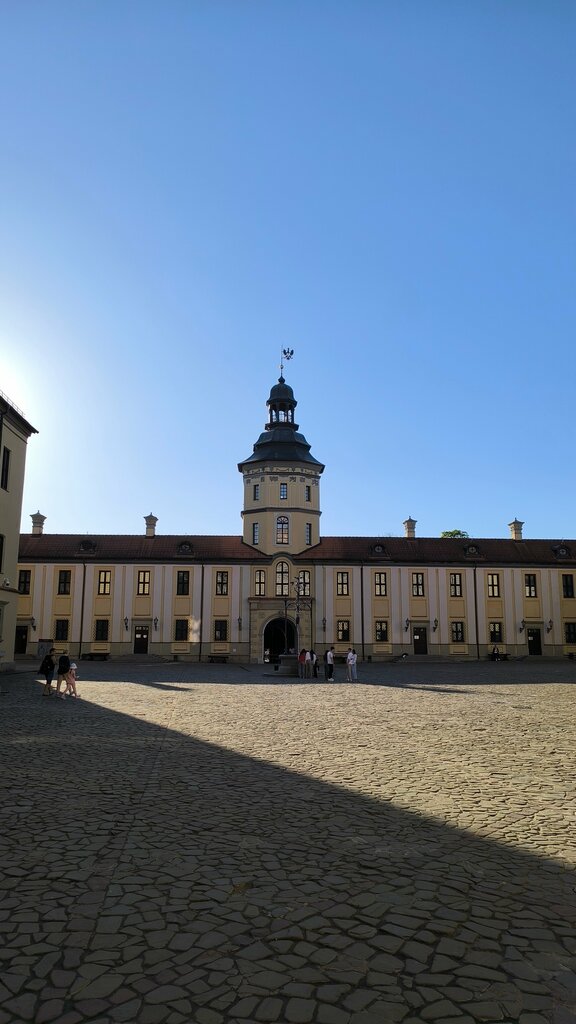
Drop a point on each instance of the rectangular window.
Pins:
(24, 581)
(256, 492)
(343, 630)
(308, 492)
(4, 477)
(222, 583)
(380, 587)
(380, 631)
(183, 582)
(570, 632)
(64, 577)
(181, 630)
(143, 582)
(457, 632)
(283, 491)
(493, 584)
(308, 533)
(260, 583)
(495, 632)
(342, 584)
(104, 581)
(304, 581)
(567, 584)
(255, 533)
(101, 629)
(530, 584)
(455, 584)
(220, 629)
(61, 629)
(417, 584)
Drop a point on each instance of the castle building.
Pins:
(282, 586)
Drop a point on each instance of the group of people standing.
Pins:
(308, 664)
(66, 674)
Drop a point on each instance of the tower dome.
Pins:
(280, 440)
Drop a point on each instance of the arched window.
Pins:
(282, 580)
(282, 530)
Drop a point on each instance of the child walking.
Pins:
(70, 677)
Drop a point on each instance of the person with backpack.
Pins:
(63, 670)
(47, 670)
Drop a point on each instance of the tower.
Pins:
(281, 510)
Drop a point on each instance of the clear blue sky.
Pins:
(386, 187)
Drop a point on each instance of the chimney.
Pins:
(38, 521)
(410, 527)
(150, 525)
(516, 529)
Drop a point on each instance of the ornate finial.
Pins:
(287, 354)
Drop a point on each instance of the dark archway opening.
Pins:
(277, 641)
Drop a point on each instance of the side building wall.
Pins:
(14, 434)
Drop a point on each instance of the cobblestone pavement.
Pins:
(212, 844)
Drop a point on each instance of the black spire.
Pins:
(281, 441)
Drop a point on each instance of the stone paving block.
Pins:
(126, 1012)
(51, 1010)
(329, 1014)
(300, 1011)
(441, 1010)
(269, 1009)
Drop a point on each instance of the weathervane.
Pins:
(287, 354)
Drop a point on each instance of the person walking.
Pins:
(325, 659)
(70, 690)
(302, 663)
(353, 664)
(330, 660)
(63, 669)
(47, 670)
(349, 658)
(308, 665)
(314, 662)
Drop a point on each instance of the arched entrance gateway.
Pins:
(279, 638)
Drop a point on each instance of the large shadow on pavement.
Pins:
(150, 876)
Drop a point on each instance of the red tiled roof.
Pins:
(47, 547)
(71, 547)
(441, 551)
